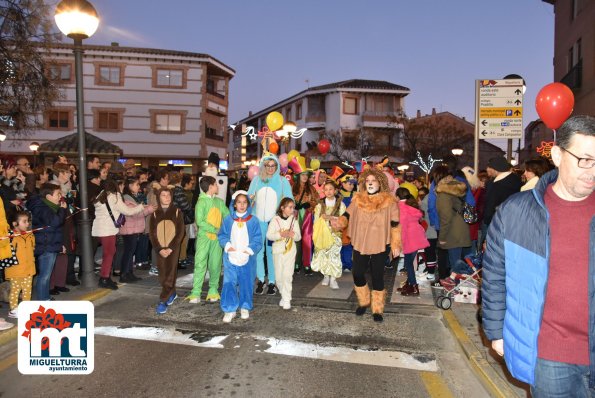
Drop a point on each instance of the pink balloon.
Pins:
(283, 160)
(252, 172)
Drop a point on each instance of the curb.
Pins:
(487, 375)
(11, 334)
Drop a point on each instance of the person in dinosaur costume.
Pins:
(209, 213)
(374, 231)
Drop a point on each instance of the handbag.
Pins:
(121, 218)
(468, 212)
(12, 260)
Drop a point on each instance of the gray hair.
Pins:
(580, 124)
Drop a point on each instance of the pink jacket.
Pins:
(134, 224)
(412, 233)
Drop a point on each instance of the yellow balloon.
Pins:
(292, 155)
(274, 121)
(314, 164)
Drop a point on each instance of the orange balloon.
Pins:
(273, 147)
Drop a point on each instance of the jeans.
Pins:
(409, 258)
(130, 245)
(45, 263)
(561, 380)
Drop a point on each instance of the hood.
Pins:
(232, 211)
(380, 177)
(452, 187)
(267, 158)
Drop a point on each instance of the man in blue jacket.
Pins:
(539, 273)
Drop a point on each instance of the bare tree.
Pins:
(26, 89)
(349, 146)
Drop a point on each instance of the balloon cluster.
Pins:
(275, 125)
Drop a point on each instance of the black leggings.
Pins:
(376, 263)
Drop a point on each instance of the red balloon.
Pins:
(554, 104)
(273, 147)
(324, 146)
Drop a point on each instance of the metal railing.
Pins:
(574, 77)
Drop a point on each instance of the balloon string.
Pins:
(554, 130)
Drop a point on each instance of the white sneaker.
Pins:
(244, 313)
(13, 313)
(287, 305)
(228, 317)
(334, 285)
(281, 303)
(195, 300)
(430, 277)
(325, 280)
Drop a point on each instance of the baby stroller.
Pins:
(468, 274)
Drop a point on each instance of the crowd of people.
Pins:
(286, 220)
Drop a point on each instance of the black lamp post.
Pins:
(78, 20)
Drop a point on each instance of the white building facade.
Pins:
(156, 105)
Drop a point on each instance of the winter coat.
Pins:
(433, 210)
(515, 275)
(134, 224)
(180, 200)
(498, 191)
(431, 231)
(530, 184)
(50, 238)
(450, 197)
(24, 246)
(5, 251)
(103, 225)
(412, 233)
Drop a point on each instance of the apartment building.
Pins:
(158, 106)
(347, 109)
(574, 51)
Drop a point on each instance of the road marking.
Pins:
(271, 345)
(8, 362)
(161, 335)
(393, 359)
(435, 385)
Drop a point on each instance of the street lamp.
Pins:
(514, 162)
(403, 167)
(34, 146)
(457, 151)
(2, 136)
(78, 20)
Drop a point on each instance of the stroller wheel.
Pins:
(437, 301)
(446, 303)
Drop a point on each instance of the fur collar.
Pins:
(372, 203)
(452, 187)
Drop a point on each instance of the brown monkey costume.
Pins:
(373, 226)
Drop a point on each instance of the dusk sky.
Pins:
(436, 48)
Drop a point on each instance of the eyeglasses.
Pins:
(583, 163)
(24, 164)
(271, 166)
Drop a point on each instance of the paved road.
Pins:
(319, 348)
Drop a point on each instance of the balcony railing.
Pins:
(574, 77)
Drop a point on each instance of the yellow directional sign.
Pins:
(490, 113)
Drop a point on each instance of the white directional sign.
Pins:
(500, 109)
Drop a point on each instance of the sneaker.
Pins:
(389, 266)
(193, 299)
(161, 308)
(107, 283)
(325, 280)
(308, 271)
(333, 284)
(213, 298)
(271, 291)
(171, 299)
(260, 288)
(154, 271)
(346, 269)
(287, 305)
(244, 313)
(281, 303)
(5, 325)
(296, 270)
(228, 317)
(13, 313)
(430, 276)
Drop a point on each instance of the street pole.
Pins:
(86, 258)
(509, 150)
(476, 138)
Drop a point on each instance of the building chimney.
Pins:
(250, 113)
(115, 44)
(418, 113)
(464, 118)
(433, 111)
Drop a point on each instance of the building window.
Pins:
(59, 119)
(168, 121)
(216, 86)
(350, 106)
(298, 111)
(108, 119)
(287, 114)
(61, 72)
(212, 133)
(109, 75)
(171, 78)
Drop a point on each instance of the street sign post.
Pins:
(498, 110)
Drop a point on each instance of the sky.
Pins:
(436, 48)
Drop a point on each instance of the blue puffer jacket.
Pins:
(515, 274)
(49, 239)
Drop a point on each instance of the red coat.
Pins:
(413, 234)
